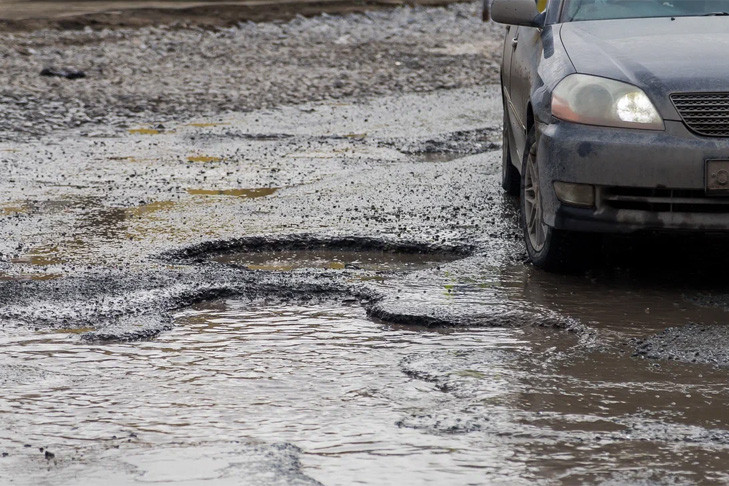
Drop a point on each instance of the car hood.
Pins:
(660, 55)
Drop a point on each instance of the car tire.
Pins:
(548, 248)
(510, 178)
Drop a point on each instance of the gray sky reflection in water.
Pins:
(228, 377)
(298, 393)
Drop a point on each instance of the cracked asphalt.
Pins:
(280, 252)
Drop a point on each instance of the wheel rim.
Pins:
(535, 227)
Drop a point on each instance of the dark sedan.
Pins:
(616, 119)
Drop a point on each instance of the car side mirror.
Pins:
(515, 12)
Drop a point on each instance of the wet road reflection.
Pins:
(324, 378)
(364, 401)
(638, 285)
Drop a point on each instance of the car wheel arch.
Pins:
(529, 118)
(528, 125)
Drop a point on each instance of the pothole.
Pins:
(307, 252)
(369, 260)
(234, 372)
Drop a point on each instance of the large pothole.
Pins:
(305, 252)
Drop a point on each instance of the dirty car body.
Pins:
(616, 118)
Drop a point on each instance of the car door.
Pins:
(506, 57)
(527, 47)
(512, 33)
(527, 51)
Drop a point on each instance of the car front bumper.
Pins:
(644, 180)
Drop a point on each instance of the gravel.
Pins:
(170, 73)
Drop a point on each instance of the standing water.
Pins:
(271, 392)
(191, 405)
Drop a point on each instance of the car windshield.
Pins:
(574, 10)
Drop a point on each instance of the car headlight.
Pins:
(593, 100)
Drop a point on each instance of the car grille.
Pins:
(663, 200)
(704, 113)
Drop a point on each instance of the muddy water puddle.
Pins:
(322, 377)
(293, 393)
(238, 386)
(325, 259)
(90, 230)
(616, 301)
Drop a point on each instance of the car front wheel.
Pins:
(548, 248)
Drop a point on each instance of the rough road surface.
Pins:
(279, 253)
(167, 73)
(29, 15)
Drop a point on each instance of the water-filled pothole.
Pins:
(311, 252)
(325, 259)
(189, 406)
(286, 392)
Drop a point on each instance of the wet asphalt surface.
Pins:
(325, 284)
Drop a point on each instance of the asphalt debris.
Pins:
(693, 343)
(62, 73)
(400, 50)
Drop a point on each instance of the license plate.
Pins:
(717, 177)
